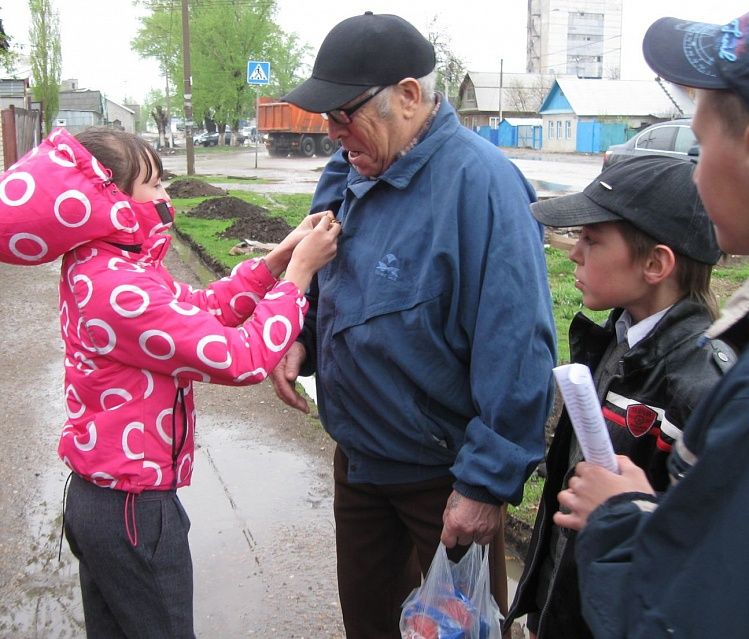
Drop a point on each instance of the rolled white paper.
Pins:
(581, 400)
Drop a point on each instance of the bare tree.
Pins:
(161, 116)
(46, 58)
(526, 96)
(450, 68)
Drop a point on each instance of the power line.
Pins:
(585, 44)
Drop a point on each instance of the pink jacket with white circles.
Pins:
(135, 339)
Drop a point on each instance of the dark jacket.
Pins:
(681, 569)
(432, 334)
(646, 404)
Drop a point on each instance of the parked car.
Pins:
(674, 138)
(211, 139)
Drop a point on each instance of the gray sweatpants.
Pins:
(134, 558)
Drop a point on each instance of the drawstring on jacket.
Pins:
(131, 522)
(132, 533)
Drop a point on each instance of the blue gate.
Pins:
(596, 137)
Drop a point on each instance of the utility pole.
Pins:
(501, 64)
(188, 88)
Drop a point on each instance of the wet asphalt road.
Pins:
(262, 534)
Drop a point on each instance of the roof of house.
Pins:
(81, 100)
(121, 106)
(524, 121)
(486, 88)
(598, 97)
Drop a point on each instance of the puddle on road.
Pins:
(44, 600)
(545, 190)
(262, 540)
(543, 185)
(40, 596)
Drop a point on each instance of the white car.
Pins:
(674, 138)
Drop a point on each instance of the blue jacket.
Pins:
(680, 569)
(432, 335)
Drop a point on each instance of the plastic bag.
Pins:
(454, 601)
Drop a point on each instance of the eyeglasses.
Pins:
(343, 116)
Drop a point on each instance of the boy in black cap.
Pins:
(646, 249)
(678, 566)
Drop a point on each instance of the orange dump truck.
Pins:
(289, 129)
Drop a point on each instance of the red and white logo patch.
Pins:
(640, 419)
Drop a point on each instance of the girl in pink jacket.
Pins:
(135, 341)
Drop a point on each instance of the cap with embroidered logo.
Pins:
(700, 54)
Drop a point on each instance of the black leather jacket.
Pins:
(658, 384)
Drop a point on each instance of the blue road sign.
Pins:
(258, 72)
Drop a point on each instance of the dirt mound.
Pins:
(224, 208)
(268, 229)
(190, 187)
(253, 222)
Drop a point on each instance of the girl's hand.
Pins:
(592, 485)
(278, 259)
(313, 252)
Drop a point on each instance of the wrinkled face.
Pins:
(722, 177)
(372, 141)
(606, 272)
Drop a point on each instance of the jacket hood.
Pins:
(58, 196)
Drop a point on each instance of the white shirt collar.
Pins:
(635, 333)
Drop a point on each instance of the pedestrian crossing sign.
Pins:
(258, 72)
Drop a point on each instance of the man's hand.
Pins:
(466, 521)
(284, 377)
(592, 485)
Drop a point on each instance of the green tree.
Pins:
(286, 69)
(160, 37)
(450, 68)
(7, 55)
(223, 37)
(46, 58)
(222, 41)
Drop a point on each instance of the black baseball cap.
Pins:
(370, 50)
(699, 54)
(654, 193)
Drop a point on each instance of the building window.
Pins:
(567, 129)
(559, 129)
(494, 122)
(551, 130)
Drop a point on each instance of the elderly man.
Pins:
(432, 336)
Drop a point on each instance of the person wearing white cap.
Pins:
(678, 566)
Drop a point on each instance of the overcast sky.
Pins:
(96, 34)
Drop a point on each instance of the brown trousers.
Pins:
(386, 537)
